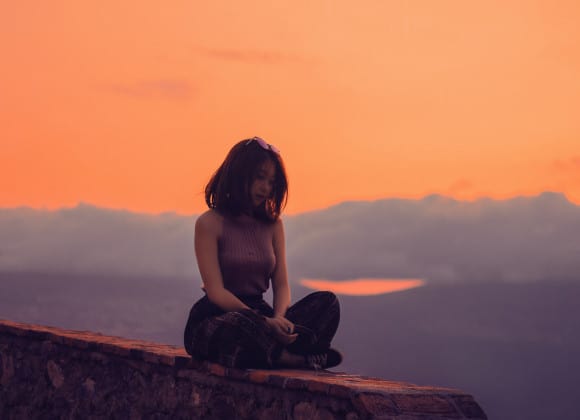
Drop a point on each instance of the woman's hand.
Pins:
(282, 329)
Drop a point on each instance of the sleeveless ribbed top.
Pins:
(246, 255)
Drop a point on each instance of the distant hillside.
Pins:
(437, 238)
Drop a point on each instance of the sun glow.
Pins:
(363, 287)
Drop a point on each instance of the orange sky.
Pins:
(132, 104)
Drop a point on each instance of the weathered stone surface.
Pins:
(54, 374)
(217, 370)
(339, 391)
(315, 386)
(195, 397)
(267, 414)
(48, 347)
(89, 387)
(99, 357)
(222, 407)
(6, 368)
(374, 404)
(258, 376)
(239, 374)
(309, 411)
(323, 414)
(428, 404)
(304, 411)
(469, 407)
(182, 361)
(51, 373)
(296, 383)
(352, 416)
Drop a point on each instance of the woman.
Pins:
(239, 245)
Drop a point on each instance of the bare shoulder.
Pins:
(210, 221)
(279, 228)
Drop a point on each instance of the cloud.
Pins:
(438, 239)
(155, 89)
(248, 56)
(87, 239)
(569, 165)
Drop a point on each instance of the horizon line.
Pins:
(83, 203)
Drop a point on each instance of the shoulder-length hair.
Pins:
(228, 190)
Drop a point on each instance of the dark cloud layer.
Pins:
(436, 238)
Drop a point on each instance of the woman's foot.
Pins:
(290, 360)
(323, 360)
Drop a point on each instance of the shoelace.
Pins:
(313, 361)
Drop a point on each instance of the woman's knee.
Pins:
(241, 318)
(316, 308)
(325, 299)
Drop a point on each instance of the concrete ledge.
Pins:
(53, 372)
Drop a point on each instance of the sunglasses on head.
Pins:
(263, 144)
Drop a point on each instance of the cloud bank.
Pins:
(436, 238)
(440, 239)
(87, 239)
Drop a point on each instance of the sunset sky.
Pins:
(133, 104)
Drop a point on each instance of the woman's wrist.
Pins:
(279, 314)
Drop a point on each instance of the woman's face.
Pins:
(263, 183)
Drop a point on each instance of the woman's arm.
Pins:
(280, 277)
(281, 326)
(207, 229)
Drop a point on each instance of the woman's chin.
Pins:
(258, 203)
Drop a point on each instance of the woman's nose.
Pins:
(265, 186)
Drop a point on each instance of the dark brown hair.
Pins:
(228, 190)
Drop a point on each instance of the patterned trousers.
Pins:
(243, 339)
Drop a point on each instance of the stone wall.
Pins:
(48, 372)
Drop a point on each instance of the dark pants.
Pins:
(243, 339)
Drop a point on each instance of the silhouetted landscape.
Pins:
(512, 346)
(497, 317)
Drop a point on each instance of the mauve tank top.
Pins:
(246, 255)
